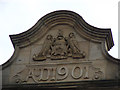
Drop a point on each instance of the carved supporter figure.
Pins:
(73, 47)
(46, 49)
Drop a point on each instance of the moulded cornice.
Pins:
(62, 17)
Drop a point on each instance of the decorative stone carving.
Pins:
(97, 74)
(75, 57)
(56, 73)
(59, 47)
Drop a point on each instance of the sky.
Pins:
(17, 16)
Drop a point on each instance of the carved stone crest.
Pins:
(59, 47)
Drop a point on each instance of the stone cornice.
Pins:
(62, 17)
(114, 84)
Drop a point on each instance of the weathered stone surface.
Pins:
(61, 51)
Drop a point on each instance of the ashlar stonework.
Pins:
(62, 51)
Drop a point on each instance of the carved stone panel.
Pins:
(59, 47)
(58, 73)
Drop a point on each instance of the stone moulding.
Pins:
(85, 85)
(59, 17)
(70, 18)
(93, 70)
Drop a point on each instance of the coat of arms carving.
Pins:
(59, 47)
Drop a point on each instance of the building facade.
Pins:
(62, 51)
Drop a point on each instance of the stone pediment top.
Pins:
(61, 48)
(63, 17)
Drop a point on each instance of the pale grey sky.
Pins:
(17, 16)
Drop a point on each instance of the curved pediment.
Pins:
(62, 18)
(59, 50)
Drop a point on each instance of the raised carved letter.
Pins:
(53, 78)
(30, 75)
(44, 76)
(75, 70)
(62, 71)
(86, 73)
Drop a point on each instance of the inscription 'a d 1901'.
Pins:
(60, 73)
